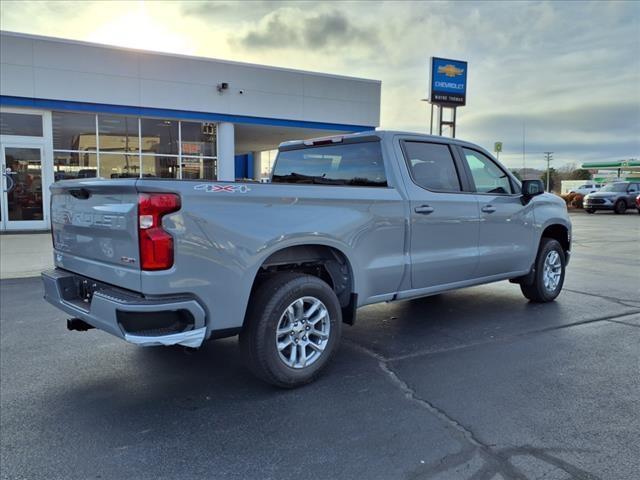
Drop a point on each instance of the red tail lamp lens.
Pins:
(156, 244)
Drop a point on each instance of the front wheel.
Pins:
(292, 329)
(549, 273)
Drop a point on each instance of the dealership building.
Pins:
(72, 109)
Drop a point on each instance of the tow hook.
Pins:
(79, 325)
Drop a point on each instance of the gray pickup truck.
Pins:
(346, 221)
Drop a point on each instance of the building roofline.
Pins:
(68, 41)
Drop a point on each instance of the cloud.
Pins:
(569, 70)
(288, 28)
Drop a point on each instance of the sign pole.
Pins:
(431, 122)
(453, 125)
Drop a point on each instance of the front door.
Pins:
(23, 187)
(507, 235)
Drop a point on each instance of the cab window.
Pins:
(488, 177)
(356, 164)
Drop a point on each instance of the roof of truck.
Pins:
(338, 138)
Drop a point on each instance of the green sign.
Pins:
(497, 147)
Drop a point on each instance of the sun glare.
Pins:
(138, 29)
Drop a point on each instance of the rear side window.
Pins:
(487, 175)
(357, 164)
(432, 166)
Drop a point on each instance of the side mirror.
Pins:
(531, 188)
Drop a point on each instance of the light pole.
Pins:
(548, 156)
(431, 119)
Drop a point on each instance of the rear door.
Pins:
(444, 219)
(94, 225)
(506, 225)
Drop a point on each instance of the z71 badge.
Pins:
(208, 187)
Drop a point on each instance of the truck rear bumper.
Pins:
(174, 320)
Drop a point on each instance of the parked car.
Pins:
(616, 196)
(346, 221)
(638, 203)
(587, 188)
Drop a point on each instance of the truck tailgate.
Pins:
(94, 226)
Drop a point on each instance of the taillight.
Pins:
(156, 245)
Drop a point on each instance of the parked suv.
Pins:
(587, 188)
(616, 196)
(347, 221)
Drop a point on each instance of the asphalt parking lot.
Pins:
(474, 384)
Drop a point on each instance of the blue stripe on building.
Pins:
(46, 104)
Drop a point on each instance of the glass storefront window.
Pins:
(159, 136)
(198, 138)
(20, 124)
(74, 131)
(118, 134)
(119, 165)
(199, 168)
(126, 146)
(160, 167)
(74, 165)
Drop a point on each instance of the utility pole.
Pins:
(524, 164)
(548, 156)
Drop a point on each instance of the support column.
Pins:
(226, 152)
(257, 165)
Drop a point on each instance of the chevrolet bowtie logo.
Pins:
(450, 70)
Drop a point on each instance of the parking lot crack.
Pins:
(622, 322)
(608, 318)
(495, 463)
(620, 301)
(410, 394)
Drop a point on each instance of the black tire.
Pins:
(590, 210)
(537, 292)
(620, 207)
(267, 305)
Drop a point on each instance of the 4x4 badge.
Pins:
(209, 187)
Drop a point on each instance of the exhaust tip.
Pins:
(78, 325)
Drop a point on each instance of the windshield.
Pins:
(615, 187)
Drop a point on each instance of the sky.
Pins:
(568, 72)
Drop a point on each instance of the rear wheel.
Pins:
(620, 207)
(292, 329)
(549, 273)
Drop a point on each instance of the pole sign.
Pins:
(497, 147)
(448, 82)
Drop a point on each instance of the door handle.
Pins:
(488, 209)
(424, 209)
(9, 179)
